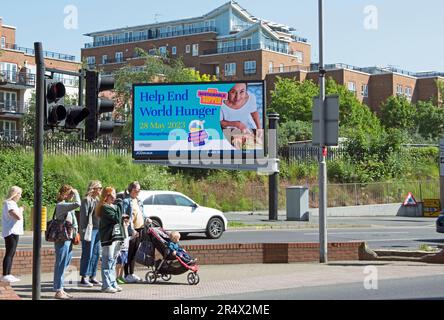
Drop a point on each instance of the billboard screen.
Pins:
(204, 119)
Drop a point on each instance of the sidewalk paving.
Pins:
(223, 280)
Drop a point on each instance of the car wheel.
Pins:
(215, 228)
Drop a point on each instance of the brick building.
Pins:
(371, 85)
(227, 42)
(17, 79)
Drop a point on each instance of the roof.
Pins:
(275, 29)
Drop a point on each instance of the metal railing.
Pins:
(14, 106)
(11, 136)
(284, 69)
(157, 35)
(356, 194)
(46, 54)
(17, 77)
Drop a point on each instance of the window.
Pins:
(408, 92)
(195, 49)
(3, 43)
(7, 128)
(299, 56)
(351, 86)
(270, 67)
(9, 70)
(148, 201)
(163, 51)
(104, 59)
(152, 52)
(91, 61)
(230, 69)
(281, 67)
(399, 90)
(187, 48)
(8, 101)
(249, 67)
(182, 201)
(119, 56)
(164, 200)
(364, 90)
(174, 50)
(217, 71)
(246, 43)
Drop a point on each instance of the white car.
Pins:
(175, 211)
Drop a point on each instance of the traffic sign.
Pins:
(410, 200)
(431, 207)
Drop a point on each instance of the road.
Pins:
(377, 237)
(429, 288)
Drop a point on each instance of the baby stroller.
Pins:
(156, 238)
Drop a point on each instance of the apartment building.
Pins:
(371, 85)
(17, 79)
(228, 42)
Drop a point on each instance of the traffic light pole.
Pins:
(38, 170)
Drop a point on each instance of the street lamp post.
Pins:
(322, 148)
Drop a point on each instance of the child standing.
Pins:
(178, 250)
(122, 258)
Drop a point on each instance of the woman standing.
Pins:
(68, 200)
(111, 234)
(12, 222)
(91, 245)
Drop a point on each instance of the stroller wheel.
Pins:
(193, 278)
(150, 277)
(166, 277)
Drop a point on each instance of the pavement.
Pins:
(243, 280)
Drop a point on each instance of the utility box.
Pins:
(297, 203)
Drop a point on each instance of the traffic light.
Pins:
(56, 113)
(94, 126)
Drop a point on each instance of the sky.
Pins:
(405, 34)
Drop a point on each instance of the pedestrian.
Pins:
(111, 234)
(68, 200)
(12, 228)
(89, 226)
(132, 206)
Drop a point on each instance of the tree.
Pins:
(293, 100)
(291, 131)
(428, 120)
(397, 112)
(155, 69)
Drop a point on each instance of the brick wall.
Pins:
(238, 253)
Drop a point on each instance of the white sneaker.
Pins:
(10, 278)
(110, 290)
(137, 277)
(130, 278)
(118, 288)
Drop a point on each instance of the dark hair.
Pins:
(133, 185)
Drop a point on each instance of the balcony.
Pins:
(246, 47)
(46, 54)
(284, 69)
(157, 35)
(13, 107)
(13, 78)
(11, 136)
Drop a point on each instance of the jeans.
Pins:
(109, 258)
(90, 255)
(63, 253)
(11, 242)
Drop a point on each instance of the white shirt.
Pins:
(243, 114)
(9, 224)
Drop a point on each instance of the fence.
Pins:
(355, 194)
(72, 147)
(308, 154)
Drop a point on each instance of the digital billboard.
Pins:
(198, 120)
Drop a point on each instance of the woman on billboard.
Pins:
(239, 113)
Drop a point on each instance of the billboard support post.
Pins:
(273, 178)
